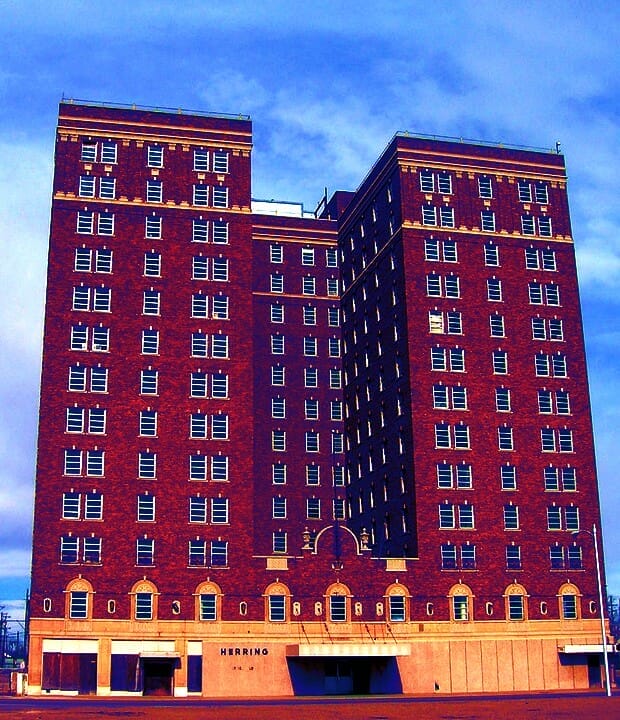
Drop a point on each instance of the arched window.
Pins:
(144, 601)
(79, 594)
(277, 602)
(396, 598)
(461, 603)
(569, 599)
(208, 601)
(338, 597)
(516, 602)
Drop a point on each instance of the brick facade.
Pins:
(244, 402)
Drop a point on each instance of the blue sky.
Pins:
(327, 85)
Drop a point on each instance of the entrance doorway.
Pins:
(594, 671)
(157, 676)
(346, 677)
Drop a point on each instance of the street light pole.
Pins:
(602, 611)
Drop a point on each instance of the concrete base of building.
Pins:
(251, 659)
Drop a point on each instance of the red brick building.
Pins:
(291, 453)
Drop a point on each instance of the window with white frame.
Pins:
(494, 290)
(449, 397)
(276, 283)
(496, 324)
(150, 342)
(505, 439)
(452, 436)
(511, 517)
(487, 221)
(278, 473)
(560, 479)
(219, 553)
(152, 264)
(502, 399)
(491, 255)
(146, 508)
(155, 156)
(528, 226)
(440, 250)
(276, 253)
(332, 287)
(513, 557)
(219, 468)
(147, 464)
(451, 476)
(311, 377)
(485, 187)
(508, 477)
(277, 375)
(153, 227)
(200, 194)
(220, 196)
(219, 511)
(500, 362)
(448, 359)
(144, 606)
(201, 160)
(197, 467)
(149, 382)
(312, 441)
(154, 191)
(148, 423)
(145, 551)
(279, 541)
(197, 553)
(89, 152)
(198, 509)
(220, 161)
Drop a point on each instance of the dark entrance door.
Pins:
(88, 674)
(157, 674)
(347, 677)
(594, 671)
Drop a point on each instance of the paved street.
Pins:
(537, 707)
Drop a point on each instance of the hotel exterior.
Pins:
(286, 453)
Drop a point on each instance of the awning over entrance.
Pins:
(585, 649)
(348, 650)
(162, 654)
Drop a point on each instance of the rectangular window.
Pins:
(153, 227)
(309, 315)
(491, 255)
(92, 550)
(108, 152)
(446, 216)
(277, 608)
(201, 195)
(505, 438)
(154, 191)
(446, 516)
(277, 345)
(444, 183)
(335, 382)
(150, 342)
(146, 508)
(220, 197)
(144, 606)
(197, 509)
(276, 283)
(149, 382)
(219, 310)
(219, 427)
(496, 323)
(219, 346)
(71, 506)
(220, 232)
(307, 256)
(311, 409)
(197, 553)
(278, 440)
(278, 508)
(278, 474)
(145, 551)
(276, 253)
(511, 517)
(485, 188)
(487, 221)
(494, 290)
(277, 375)
(155, 156)
(313, 475)
(332, 287)
(151, 302)
(331, 257)
(86, 186)
(313, 508)
(148, 423)
(220, 161)
(541, 194)
(308, 285)
(208, 607)
(105, 223)
(500, 362)
(310, 347)
(219, 553)
(527, 225)
(513, 557)
(525, 191)
(312, 441)
(311, 377)
(85, 222)
(502, 399)
(448, 557)
(198, 425)
(93, 506)
(69, 549)
(152, 264)
(78, 605)
(508, 476)
(201, 160)
(107, 188)
(147, 465)
(279, 540)
(333, 317)
(89, 152)
(466, 517)
(199, 305)
(197, 467)
(219, 511)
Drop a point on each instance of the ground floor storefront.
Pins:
(258, 660)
